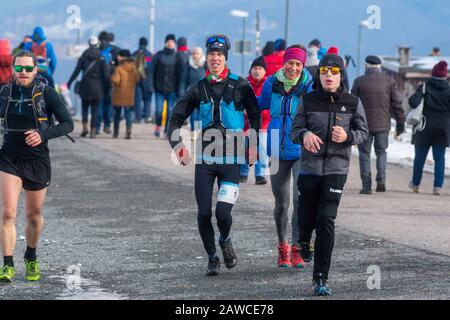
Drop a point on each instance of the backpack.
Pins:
(40, 51)
(141, 64)
(106, 53)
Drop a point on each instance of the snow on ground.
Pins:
(401, 152)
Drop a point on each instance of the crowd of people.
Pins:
(294, 110)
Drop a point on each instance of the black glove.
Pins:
(400, 128)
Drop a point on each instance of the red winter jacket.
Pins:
(5, 68)
(274, 62)
(265, 114)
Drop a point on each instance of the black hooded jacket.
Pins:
(95, 81)
(436, 110)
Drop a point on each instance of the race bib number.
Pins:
(228, 193)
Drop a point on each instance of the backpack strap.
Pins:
(5, 96)
(230, 89)
(205, 97)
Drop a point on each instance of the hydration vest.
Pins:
(230, 118)
(37, 101)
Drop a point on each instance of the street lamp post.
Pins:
(241, 14)
(152, 26)
(286, 22)
(362, 24)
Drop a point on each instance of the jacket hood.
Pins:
(92, 53)
(438, 84)
(38, 35)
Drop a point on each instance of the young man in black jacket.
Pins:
(329, 122)
(164, 80)
(221, 98)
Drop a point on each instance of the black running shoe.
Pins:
(229, 257)
(260, 181)
(381, 187)
(213, 267)
(321, 288)
(305, 251)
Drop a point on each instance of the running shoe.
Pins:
(213, 267)
(7, 273)
(321, 287)
(306, 251)
(413, 187)
(284, 250)
(32, 272)
(296, 259)
(229, 256)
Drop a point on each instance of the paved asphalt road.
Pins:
(120, 215)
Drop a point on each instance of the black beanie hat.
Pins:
(315, 42)
(125, 53)
(182, 42)
(103, 36)
(332, 60)
(143, 42)
(170, 37)
(259, 62)
(216, 45)
(269, 48)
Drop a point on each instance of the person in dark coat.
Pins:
(143, 95)
(436, 134)
(164, 80)
(381, 100)
(93, 82)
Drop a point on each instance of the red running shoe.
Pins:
(296, 258)
(284, 250)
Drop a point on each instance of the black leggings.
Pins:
(319, 198)
(205, 177)
(85, 112)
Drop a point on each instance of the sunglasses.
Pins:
(217, 39)
(28, 69)
(334, 70)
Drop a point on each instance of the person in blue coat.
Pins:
(281, 94)
(42, 49)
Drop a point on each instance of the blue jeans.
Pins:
(421, 153)
(142, 96)
(159, 101)
(128, 116)
(262, 163)
(105, 111)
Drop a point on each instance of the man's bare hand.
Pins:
(311, 142)
(338, 134)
